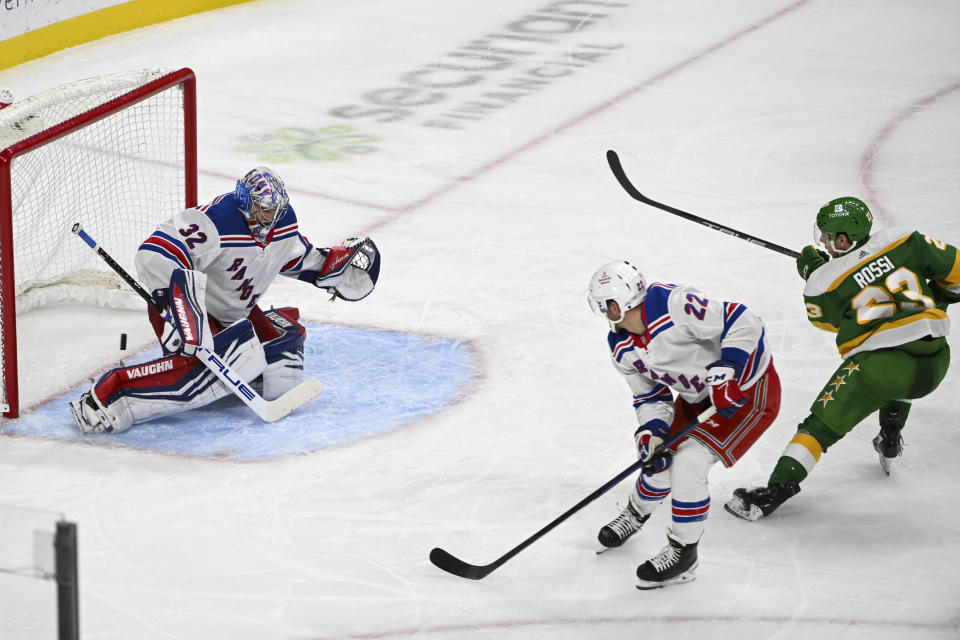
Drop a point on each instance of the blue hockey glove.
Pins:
(648, 437)
(723, 379)
(810, 260)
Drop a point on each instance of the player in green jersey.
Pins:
(885, 296)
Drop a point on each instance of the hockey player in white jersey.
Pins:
(209, 266)
(680, 351)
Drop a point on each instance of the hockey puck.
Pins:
(123, 342)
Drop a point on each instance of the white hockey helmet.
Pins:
(618, 281)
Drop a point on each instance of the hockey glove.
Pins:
(186, 319)
(810, 260)
(942, 296)
(350, 271)
(648, 437)
(723, 379)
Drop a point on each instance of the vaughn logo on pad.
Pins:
(149, 369)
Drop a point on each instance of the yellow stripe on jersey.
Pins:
(953, 278)
(926, 314)
(826, 326)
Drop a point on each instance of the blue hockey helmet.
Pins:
(261, 196)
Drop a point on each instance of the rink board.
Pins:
(374, 382)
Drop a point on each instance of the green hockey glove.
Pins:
(943, 296)
(810, 260)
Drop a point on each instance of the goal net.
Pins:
(115, 153)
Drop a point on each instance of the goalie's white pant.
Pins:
(174, 383)
(685, 481)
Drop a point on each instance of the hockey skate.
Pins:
(889, 443)
(753, 504)
(90, 416)
(618, 530)
(674, 564)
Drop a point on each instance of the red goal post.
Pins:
(116, 153)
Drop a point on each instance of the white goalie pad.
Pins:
(283, 374)
(163, 387)
(284, 353)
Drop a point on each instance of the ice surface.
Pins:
(483, 180)
(364, 394)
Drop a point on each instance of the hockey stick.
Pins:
(614, 161)
(268, 410)
(458, 567)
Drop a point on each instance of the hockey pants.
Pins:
(864, 383)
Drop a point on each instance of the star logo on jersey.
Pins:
(839, 381)
(826, 397)
(852, 367)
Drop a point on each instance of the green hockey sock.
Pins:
(797, 460)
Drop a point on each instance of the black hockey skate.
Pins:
(674, 564)
(753, 504)
(618, 530)
(889, 443)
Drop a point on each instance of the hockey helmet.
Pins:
(620, 282)
(261, 196)
(847, 215)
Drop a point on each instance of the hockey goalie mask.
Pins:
(262, 197)
(849, 216)
(618, 281)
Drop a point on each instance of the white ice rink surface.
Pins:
(484, 183)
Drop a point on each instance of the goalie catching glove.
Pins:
(648, 437)
(350, 271)
(186, 321)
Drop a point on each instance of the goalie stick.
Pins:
(614, 161)
(268, 410)
(451, 564)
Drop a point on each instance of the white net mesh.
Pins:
(118, 176)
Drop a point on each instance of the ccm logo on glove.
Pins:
(723, 379)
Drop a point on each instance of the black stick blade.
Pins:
(458, 567)
(614, 161)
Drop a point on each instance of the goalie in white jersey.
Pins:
(209, 266)
(680, 351)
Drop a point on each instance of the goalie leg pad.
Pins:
(284, 354)
(175, 383)
(92, 417)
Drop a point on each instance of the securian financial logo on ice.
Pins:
(492, 72)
